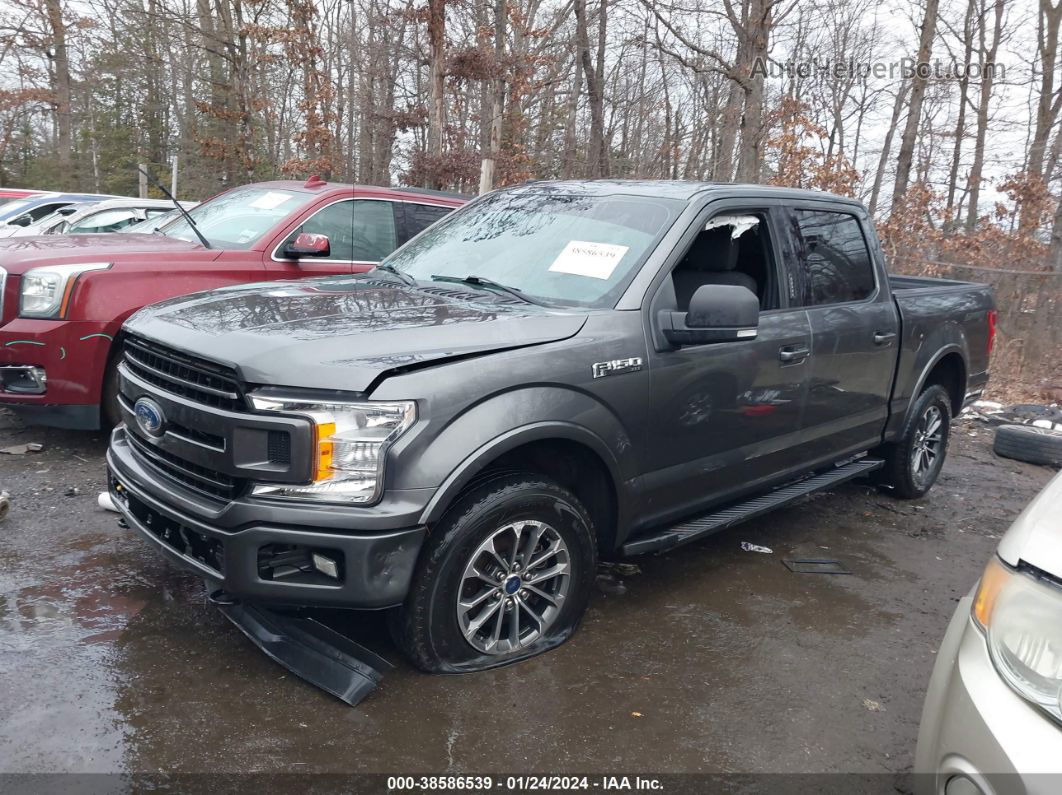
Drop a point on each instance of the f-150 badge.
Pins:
(601, 369)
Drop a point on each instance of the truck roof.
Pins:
(312, 186)
(683, 189)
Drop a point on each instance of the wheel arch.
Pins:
(570, 454)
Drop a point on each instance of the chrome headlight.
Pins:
(1022, 618)
(45, 292)
(349, 449)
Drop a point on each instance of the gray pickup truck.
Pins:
(557, 373)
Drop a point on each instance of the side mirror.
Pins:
(308, 244)
(717, 313)
(22, 220)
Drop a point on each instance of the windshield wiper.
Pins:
(177, 204)
(400, 274)
(482, 281)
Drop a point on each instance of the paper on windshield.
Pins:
(270, 200)
(582, 258)
(740, 223)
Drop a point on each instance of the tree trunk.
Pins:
(61, 86)
(960, 122)
(919, 80)
(987, 52)
(886, 147)
(437, 54)
(596, 153)
(1046, 110)
(497, 109)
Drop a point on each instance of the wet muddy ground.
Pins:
(711, 659)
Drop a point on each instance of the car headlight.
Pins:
(349, 449)
(1022, 619)
(45, 292)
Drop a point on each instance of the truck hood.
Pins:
(1036, 535)
(19, 254)
(344, 333)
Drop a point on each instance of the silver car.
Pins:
(992, 721)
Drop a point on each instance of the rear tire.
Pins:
(506, 574)
(1029, 443)
(913, 463)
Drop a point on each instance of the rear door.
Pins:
(414, 218)
(854, 329)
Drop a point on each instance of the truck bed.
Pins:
(906, 285)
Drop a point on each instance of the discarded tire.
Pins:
(1028, 443)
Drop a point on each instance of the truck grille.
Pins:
(198, 478)
(180, 538)
(187, 376)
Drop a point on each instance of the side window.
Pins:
(373, 230)
(833, 256)
(733, 248)
(420, 216)
(104, 221)
(337, 222)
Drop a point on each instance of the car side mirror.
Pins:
(308, 244)
(717, 313)
(22, 220)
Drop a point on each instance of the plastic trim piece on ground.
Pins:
(309, 649)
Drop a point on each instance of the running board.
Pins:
(727, 517)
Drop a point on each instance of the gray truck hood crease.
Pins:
(344, 333)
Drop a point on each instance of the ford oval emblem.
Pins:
(149, 417)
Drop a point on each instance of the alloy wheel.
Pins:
(513, 587)
(928, 444)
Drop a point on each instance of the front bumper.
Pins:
(226, 545)
(73, 354)
(977, 734)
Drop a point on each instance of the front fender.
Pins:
(473, 439)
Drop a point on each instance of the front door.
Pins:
(360, 232)
(726, 416)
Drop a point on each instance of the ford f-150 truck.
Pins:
(556, 373)
(63, 299)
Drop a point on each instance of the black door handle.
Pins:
(793, 354)
(881, 337)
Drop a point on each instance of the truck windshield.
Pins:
(238, 218)
(559, 248)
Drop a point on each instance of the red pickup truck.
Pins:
(64, 298)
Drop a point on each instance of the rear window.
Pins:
(834, 258)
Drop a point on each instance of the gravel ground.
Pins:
(710, 660)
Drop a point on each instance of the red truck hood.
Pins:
(19, 254)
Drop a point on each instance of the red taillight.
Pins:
(991, 329)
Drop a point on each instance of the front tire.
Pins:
(913, 463)
(506, 574)
(110, 413)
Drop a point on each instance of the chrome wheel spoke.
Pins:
(553, 600)
(548, 574)
(522, 605)
(514, 624)
(495, 636)
(545, 555)
(476, 624)
(466, 605)
(486, 577)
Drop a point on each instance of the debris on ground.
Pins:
(73, 491)
(808, 566)
(610, 585)
(872, 705)
(619, 567)
(105, 502)
(992, 413)
(22, 449)
(5, 504)
(745, 545)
